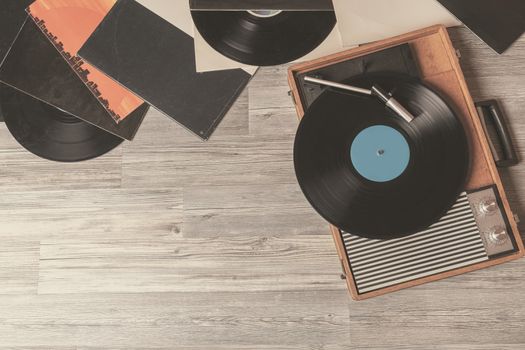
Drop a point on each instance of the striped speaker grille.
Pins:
(452, 242)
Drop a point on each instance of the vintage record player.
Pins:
(477, 229)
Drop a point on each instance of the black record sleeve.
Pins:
(498, 23)
(35, 67)
(397, 60)
(12, 17)
(156, 60)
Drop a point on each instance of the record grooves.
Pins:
(51, 133)
(369, 172)
(267, 39)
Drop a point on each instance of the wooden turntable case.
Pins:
(440, 69)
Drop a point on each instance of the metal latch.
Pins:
(292, 96)
(343, 275)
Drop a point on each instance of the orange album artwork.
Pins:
(68, 24)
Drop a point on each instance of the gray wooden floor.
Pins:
(171, 243)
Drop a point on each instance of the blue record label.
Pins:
(380, 153)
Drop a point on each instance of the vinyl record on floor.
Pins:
(51, 133)
(264, 38)
(369, 172)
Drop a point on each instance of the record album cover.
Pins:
(178, 13)
(498, 23)
(35, 67)
(68, 24)
(362, 22)
(12, 17)
(156, 61)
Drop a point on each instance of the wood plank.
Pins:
(19, 264)
(452, 315)
(249, 264)
(266, 320)
(240, 160)
(110, 214)
(249, 210)
(271, 108)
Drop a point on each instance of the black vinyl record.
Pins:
(369, 172)
(51, 133)
(264, 38)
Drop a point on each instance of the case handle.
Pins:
(491, 116)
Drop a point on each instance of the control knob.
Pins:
(498, 235)
(488, 206)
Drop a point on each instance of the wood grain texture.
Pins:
(172, 243)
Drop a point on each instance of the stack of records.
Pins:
(78, 77)
(105, 62)
(56, 105)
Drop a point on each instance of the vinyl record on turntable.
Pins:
(51, 133)
(264, 37)
(371, 173)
